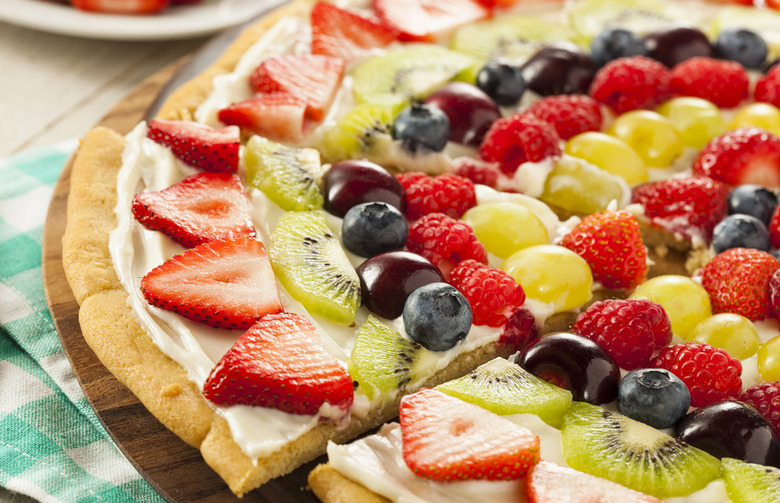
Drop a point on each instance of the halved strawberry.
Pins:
(278, 117)
(121, 6)
(310, 77)
(551, 483)
(199, 145)
(611, 244)
(345, 34)
(739, 156)
(447, 439)
(425, 20)
(202, 207)
(280, 362)
(226, 283)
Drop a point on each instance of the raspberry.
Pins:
(444, 241)
(520, 330)
(448, 194)
(626, 84)
(710, 373)
(765, 397)
(511, 141)
(493, 294)
(737, 281)
(768, 87)
(724, 83)
(774, 228)
(740, 156)
(478, 171)
(570, 115)
(630, 331)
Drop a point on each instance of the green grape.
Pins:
(761, 115)
(696, 120)
(580, 187)
(732, 332)
(651, 135)
(769, 359)
(685, 301)
(553, 275)
(505, 228)
(611, 154)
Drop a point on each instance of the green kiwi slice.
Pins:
(589, 17)
(288, 176)
(308, 260)
(631, 453)
(364, 131)
(506, 388)
(749, 482)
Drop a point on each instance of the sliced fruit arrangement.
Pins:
(198, 145)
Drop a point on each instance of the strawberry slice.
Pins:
(226, 283)
(740, 156)
(202, 207)
(447, 439)
(551, 483)
(310, 77)
(121, 6)
(280, 362)
(345, 34)
(278, 117)
(426, 20)
(199, 145)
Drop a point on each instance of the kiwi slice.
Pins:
(589, 17)
(749, 482)
(395, 78)
(308, 260)
(506, 388)
(632, 453)
(364, 131)
(289, 176)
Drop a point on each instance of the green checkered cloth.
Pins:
(52, 445)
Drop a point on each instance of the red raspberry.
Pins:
(765, 397)
(737, 281)
(724, 83)
(768, 87)
(493, 294)
(511, 141)
(774, 228)
(739, 156)
(630, 331)
(689, 206)
(520, 330)
(626, 84)
(569, 114)
(448, 194)
(710, 373)
(444, 241)
(478, 171)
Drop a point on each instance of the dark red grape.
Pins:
(349, 183)
(676, 44)
(560, 68)
(470, 110)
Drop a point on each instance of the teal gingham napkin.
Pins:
(52, 445)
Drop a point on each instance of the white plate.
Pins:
(179, 21)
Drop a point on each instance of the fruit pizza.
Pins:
(362, 209)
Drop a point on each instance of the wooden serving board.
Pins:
(176, 470)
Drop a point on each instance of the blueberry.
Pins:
(437, 316)
(614, 43)
(654, 396)
(753, 200)
(372, 228)
(422, 127)
(502, 82)
(743, 46)
(740, 231)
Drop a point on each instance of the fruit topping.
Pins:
(746, 47)
(696, 121)
(372, 228)
(520, 330)
(198, 145)
(738, 282)
(768, 87)
(437, 316)
(769, 359)
(633, 454)
(744, 155)
(505, 227)
(288, 176)
(279, 117)
(591, 17)
(672, 45)
(765, 398)
(685, 301)
(724, 83)
(280, 362)
(774, 228)
(750, 482)
(503, 82)
(511, 141)
(710, 373)
(446, 439)
(559, 68)
(651, 135)
(762, 115)
(362, 132)
(425, 20)
(349, 183)
(570, 115)
(112, 7)
(505, 388)
(573, 363)
(387, 280)
(582, 188)
(492, 293)
(630, 330)
(345, 34)
(731, 332)
(611, 244)
(422, 128)
(470, 110)
(202, 207)
(449, 194)
(445, 241)
(627, 84)
(226, 283)
(754, 200)
(478, 171)
(312, 266)
(740, 231)
(614, 43)
(653, 396)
